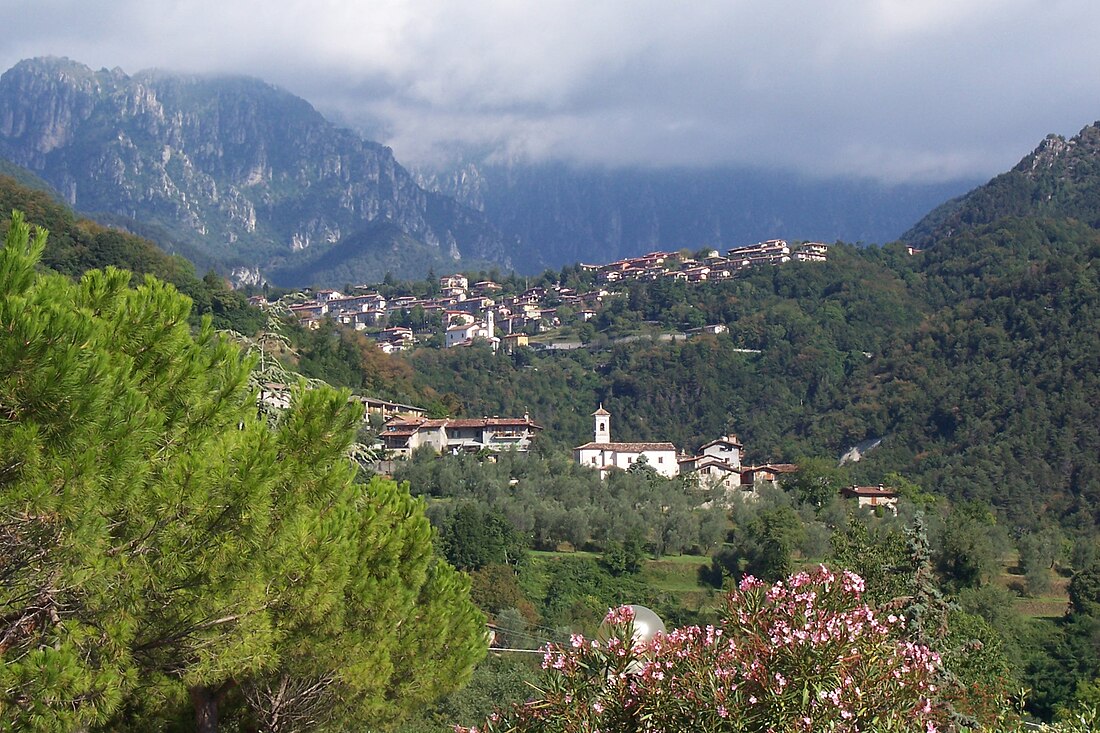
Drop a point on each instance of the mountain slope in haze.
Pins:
(564, 214)
(77, 245)
(1059, 179)
(244, 171)
(368, 255)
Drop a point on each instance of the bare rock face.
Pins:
(245, 171)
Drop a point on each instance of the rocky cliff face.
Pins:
(246, 171)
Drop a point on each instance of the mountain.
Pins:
(1059, 179)
(379, 247)
(246, 173)
(563, 214)
(235, 173)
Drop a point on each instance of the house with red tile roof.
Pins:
(401, 436)
(873, 496)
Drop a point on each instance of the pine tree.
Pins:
(161, 543)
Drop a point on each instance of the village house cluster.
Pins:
(469, 313)
(713, 266)
(402, 435)
(472, 313)
(716, 465)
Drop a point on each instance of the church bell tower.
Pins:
(603, 425)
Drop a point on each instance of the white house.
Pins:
(812, 252)
(454, 282)
(464, 334)
(603, 454)
(718, 463)
(873, 497)
(402, 436)
(712, 472)
(726, 449)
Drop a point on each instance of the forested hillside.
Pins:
(977, 361)
(1060, 179)
(993, 397)
(76, 245)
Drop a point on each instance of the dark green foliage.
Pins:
(877, 552)
(161, 544)
(763, 548)
(550, 502)
(475, 536)
(346, 358)
(971, 548)
(495, 588)
(575, 592)
(1084, 592)
(816, 482)
(1063, 655)
(620, 558)
(498, 681)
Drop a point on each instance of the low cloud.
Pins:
(893, 89)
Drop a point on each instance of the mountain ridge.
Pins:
(1060, 178)
(239, 168)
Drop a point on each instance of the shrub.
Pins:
(804, 654)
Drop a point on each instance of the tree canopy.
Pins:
(163, 549)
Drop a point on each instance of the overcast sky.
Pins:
(895, 89)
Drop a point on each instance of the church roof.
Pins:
(627, 447)
(601, 412)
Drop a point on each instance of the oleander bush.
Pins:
(804, 654)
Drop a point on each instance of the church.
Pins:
(604, 455)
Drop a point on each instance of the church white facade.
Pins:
(603, 454)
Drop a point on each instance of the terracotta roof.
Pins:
(870, 491)
(601, 412)
(487, 422)
(398, 424)
(627, 447)
(773, 467)
(730, 439)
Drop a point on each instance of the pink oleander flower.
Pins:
(812, 632)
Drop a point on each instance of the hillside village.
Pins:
(718, 464)
(462, 313)
(466, 313)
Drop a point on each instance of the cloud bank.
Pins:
(892, 89)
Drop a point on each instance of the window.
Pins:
(593, 460)
(660, 459)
